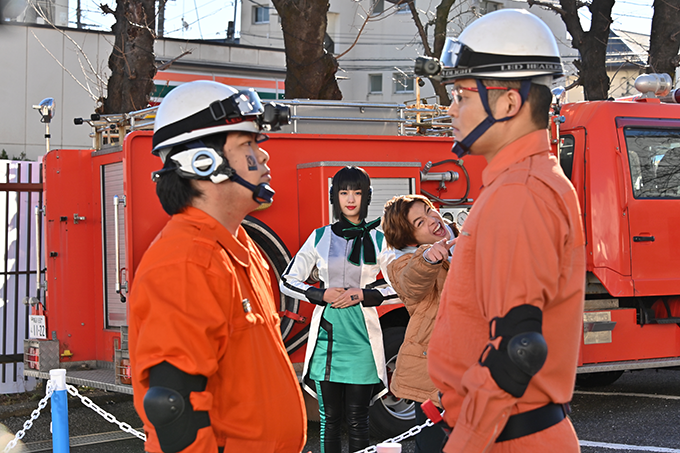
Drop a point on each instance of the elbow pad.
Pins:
(168, 406)
(522, 351)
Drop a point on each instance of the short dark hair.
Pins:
(398, 230)
(351, 178)
(175, 192)
(539, 99)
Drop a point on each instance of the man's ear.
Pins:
(510, 104)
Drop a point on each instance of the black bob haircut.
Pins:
(351, 178)
(175, 192)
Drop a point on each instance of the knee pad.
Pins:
(522, 351)
(168, 407)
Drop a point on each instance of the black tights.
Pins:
(356, 399)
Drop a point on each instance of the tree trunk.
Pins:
(592, 45)
(132, 61)
(665, 38)
(310, 70)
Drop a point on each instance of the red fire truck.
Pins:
(101, 212)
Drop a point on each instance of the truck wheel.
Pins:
(390, 416)
(277, 255)
(600, 379)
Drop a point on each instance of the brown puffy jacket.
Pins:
(419, 284)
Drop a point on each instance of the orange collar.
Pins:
(236, 246)
(528, 145)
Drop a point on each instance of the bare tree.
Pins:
(310, 69)
(664, 41)
(591, 44)
(132, 61)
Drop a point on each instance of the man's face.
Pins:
(247, 158)
(428, 225)
(467, 110)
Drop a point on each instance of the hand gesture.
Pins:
(439, 250)
(332, 294)
(351, 296)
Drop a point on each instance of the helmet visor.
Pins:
(455, 54)
(248, 102)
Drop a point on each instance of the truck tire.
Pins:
(277, 255)
(390, 416)
(600, 379)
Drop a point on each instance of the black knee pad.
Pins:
(522, 351)
(168, 407)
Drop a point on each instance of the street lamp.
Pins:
(46, 110)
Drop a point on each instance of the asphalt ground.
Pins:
(638, 413)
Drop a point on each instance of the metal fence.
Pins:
(20, 193)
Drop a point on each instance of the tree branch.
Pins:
(167, 64)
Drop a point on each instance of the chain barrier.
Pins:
(107, 416)
(34, 416)
(405, 435)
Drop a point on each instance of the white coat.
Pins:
(314, 252)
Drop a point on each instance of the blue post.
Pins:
(59, 401)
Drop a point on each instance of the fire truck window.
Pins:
(567, 154)
(654, 158)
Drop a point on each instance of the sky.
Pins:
(630, 15)
(207, 19)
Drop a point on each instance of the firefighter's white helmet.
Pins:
(202, 108)
(509, 44)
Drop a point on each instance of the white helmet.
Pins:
(196, 110)
(202, 108)
(510, 44)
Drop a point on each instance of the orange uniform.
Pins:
(187, 308)
(522, 243)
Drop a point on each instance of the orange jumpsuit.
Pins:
(186, 308)
(522, 243)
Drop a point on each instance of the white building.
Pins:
(71, 66)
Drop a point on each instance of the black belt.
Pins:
(520, 425)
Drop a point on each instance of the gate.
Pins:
(20, 194)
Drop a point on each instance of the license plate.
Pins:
(37, 328)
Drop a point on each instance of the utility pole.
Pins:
(161, 18)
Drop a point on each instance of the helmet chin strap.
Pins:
(262, 193)
(462, 148)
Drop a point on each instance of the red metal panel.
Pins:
(631, 341)
(104, 338)
(145, 216)
(73, 251)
